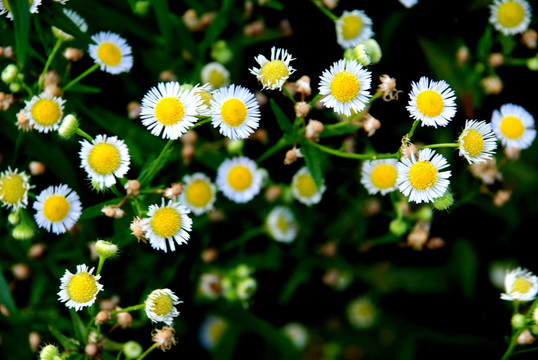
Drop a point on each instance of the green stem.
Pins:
(100, 266)
(84, 134)
(439, 145)
(412, 131)
(49, 61)
(273, 149)
(128, 309)
(315, 99)
(246, 236)
(528, 318)
(201, 122)
(150, 349)
(287, 92)
(80, 77)
(324, 10)
(157, 161)
(353, 156)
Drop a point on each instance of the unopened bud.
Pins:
(13, 218)
(132, 350)
(22, 232)
(246, 288)
(235, 146)
(20, 271)
(518, 321)
(141, 7)
(48, 352)
(302, 86)
(124, 319)
(444, 202)
(102, 317)
(34, 339)
(313, 130)
(132, 187)
(68, 127)
(301, 109)
(36, 168)
(106, 249)
(221, 52)
(9, 73)
(398, 227)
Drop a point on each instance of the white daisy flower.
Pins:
(199, 193)
(432, 102)
(14, 188)
(379, 176)
(281, 224)
(169, 109)
(76, 19)
(477, 142)
(239, 179)
(510, 16)
(273, 73)
(5, 7)
(160, 306)
(111, 52)
(304, 188)
(44, 112)
(235, 111)
(422, 180)
(520, 285)
(167, 223)
(57, 209)
(205, 93)
(215, 74)
(361, 313)
(211, 331)
(352, 28)
(104, 159)
(345, 86)
(514, 126)
(79, 290)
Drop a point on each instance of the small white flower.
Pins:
(514, 126)
(361, 313)
(14, 188)
(521, 285)
(273, 73)
(44, 112)
(352, 28)
(510, 16)
(111, 52)
(79, 290)
(239, 179)
(281, 224)
(58, 208)
(379, 176)
(199, 193)
(432, 102)
(477, 142)
(304, 188)
(160, 306)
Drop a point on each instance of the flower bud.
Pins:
(221, 52)
(141, 7)
(518, 321)
(398, 227)
(234, 146)
(444, 202)
(102, 317)
(132, 349)
(48, 352)
(36, 168)
(9, 73)
(13, 218)
(22, 232)
(15, 87)
(68, 127)
(106, 249)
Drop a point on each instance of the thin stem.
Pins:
(273, 149)
(351, 155)
(150, 349)
(84, 134)
(156, 162)
(324, 10)
(100, 266)
(288, 94)
(315, 99)
(49, 61)
(201, 122)
(412, 131)
(128, 309)
(439, 145)
(80, 77)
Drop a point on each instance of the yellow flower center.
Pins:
(512, 127)
(430, 103)
(12, 188)
(305, 185)
(351, 26)
(384, 176)
(109, 54)
(217, 330)
(473, 142)
(206, 98)
(198, 193)
(165, 222)
(510, 14)
(82, 288)
(169, 110)
(217, 78)
(234, 112)
(273, 72)
(345, 86)
(521, 285)
(46, 112)
(239, 178)
(162, 304)
(422, 175)
(104, 158)
(282, 224)
(364, 310)
(56, 208)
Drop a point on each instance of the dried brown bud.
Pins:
(435, 243)
(167, 75)
(329, 249)
(164, 338)
(419, 235)
(512, 153)
(209, 255)
(36, 168)
(132, 187)
(301, 109)
(34, 339)
(462, 55)
(525, 338)
(388, 87)
(313, 130)
(187, 153)
(133, 110)
(273, 192)
(72, 54)
(173, 191)
(495, 59)
(102, 317)
(370, 124)
(254, 29)
(36, 251)
(92, 350)
(302, 86)
(501, 197)
(216, 215)
(492, 85)
(124, 319)
(137, 231)
(292, 155)
(530, 38)
(23, 123)
(109, 211)
(487, 171)
(20, 271)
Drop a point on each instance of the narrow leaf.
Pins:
(6, 297)
(313, 161)
(21, 22)
(283, 121)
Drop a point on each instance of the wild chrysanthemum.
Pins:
(169, 109)
(79, 290)
(57, 209)
(379, 176)
(477, 142)
(520, 285)
(422, 179)
(352, 28)
(361, 313)
(510, 16)
(273, 73)
(160, 306)
(345, 86)
(215, 74)
(76, 19)
(14, 188)
(235, 112)
(111, 52)
(432, 102)
(239, 179)
(167, 223)
(5, 7)
(211, 331)
(44, 112)
(304, 188)
(199, 193)
(281, 224)
(514, 126)
(104, 159)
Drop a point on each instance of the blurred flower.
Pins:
(235, 112)
(304, 188)
(273, 73)
(132, 349)
(421, 180)
(168, 222)
(510, 16)
(5, 7)
(215, 74)
(281, 224)
(239, 179)
(477, 142)
(346, 86)
(104, 159)
(379, 176)
(246, 287)
(408, 3)
(352, 28)
(76, 19)
(44, 112)
(160, 306)
(79, 290)
(57, 209)
(14, 188)
(432, 102)
(164, 338)
(297, 333)
(111, 52)
(520, 285)
(211, 331)
(73, 54)
(199, 193)
(210, 285)
(492, 85)
(361, 313)
(514, 126)
(530, 38)
(36, 168)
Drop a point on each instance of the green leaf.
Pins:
(84, 89)
(274, 4)
(95, 210)
(313, 161)
(21, 22)
(283, 121)
(6, 297)
(340, 130)
(53, 15)
(67, 343)
(78, 326)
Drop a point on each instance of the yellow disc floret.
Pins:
(198, 193)
(217, 78)
(345, 86)
(239, 178)
(430, 103)
(46, 112)
(273, 72)
(422, 175)
(473, 142)
(162, 304)
(104, 158)
(82, 287)
(384, 176)
(282, 224)
(305, 185)
(56, 208)
(12, 189)
(510, 14)
(512, 127)
(521, 285)
(234, 112)
(109, 54)
(169, 110)
(165, 222)
(351, 26)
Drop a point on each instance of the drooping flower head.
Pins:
(379, 176)
(514, 126)
(520, 285)
(239, 179)
(111, 52)
(44, 112)
(76, 19)
(199, 193)
(80, 289)
(281, 224)
(352, 28)
(273, 73)
(510, 16)
(5, 7)
(304, 188)
(58, 208)
(14, 188)
(160, 306)
(477, 142)
(432, 102)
